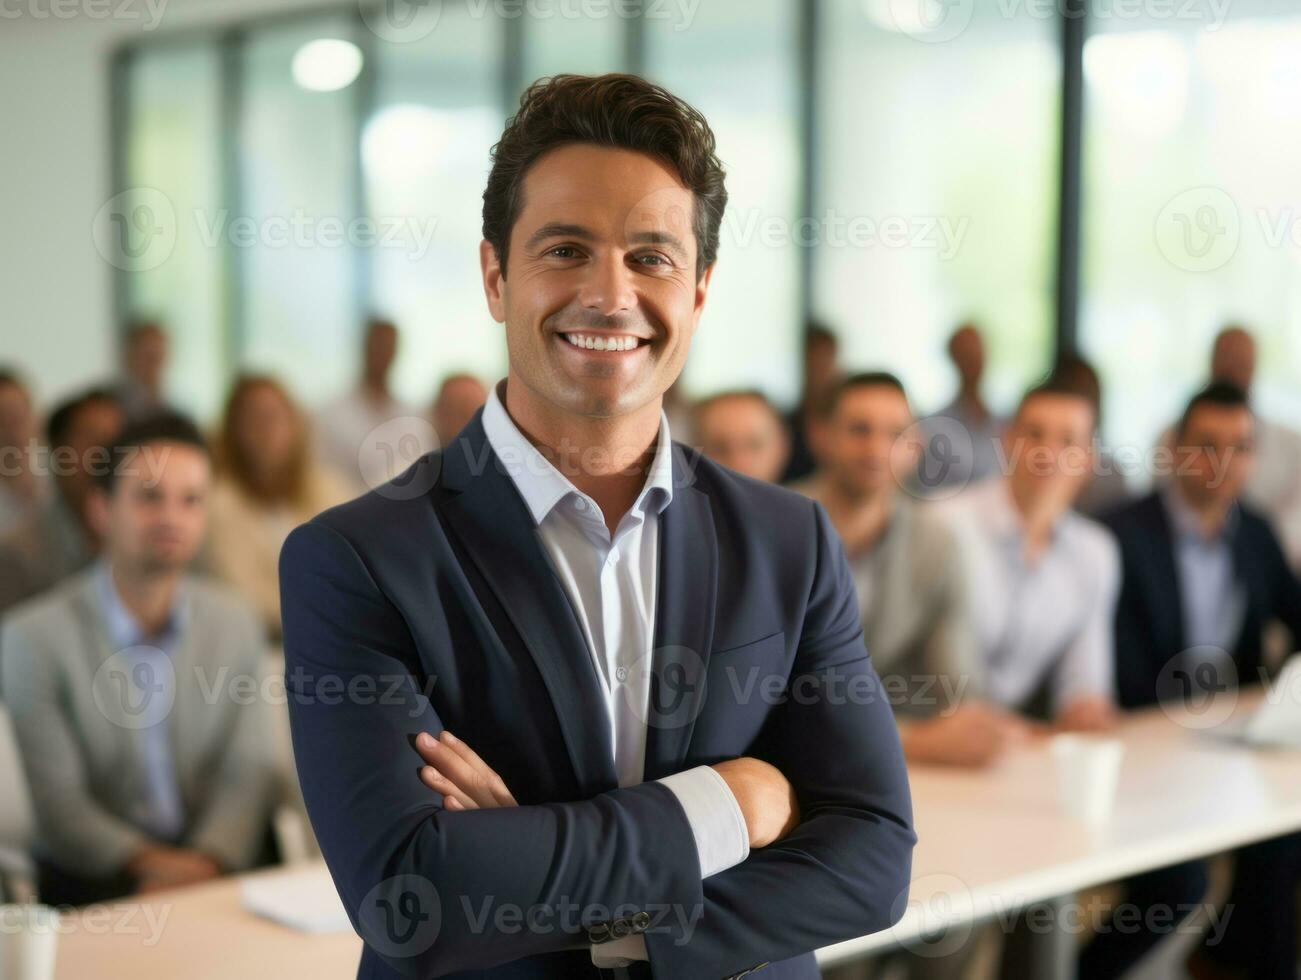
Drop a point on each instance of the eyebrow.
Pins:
(556, 229)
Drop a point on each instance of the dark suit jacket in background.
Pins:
(435, 594)
(1150, 614)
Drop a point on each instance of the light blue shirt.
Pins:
(1213, 601)
(146, 664)
(611, 581)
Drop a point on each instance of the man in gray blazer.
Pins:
(912, 593)
(133, 693)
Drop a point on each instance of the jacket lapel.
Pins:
(486, 513)
(684, 622)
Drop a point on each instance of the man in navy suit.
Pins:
(1203, 575)
(671, 755)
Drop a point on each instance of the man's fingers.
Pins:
(454, 798)
(501, 794)
(467, 773)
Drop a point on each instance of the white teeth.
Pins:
(595, 342)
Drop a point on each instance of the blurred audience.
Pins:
(458, 398)
(744, 432)
(1106, 488)
(144, 361)
(21, 488)
(367, 435)
(267, 484)
(141, 779)
(911, 595)
(58, 538)
(821, 371)
(1043, 578)
(1274, 486)
(966, 349)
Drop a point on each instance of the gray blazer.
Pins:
(82, 756)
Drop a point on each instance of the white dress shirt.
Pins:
(1053, 617)
(611, 582)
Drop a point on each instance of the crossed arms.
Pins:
(841, 872)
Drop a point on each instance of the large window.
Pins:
(171, 268)
(1192, 217)
(936, 173)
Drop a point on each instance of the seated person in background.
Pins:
(966, 349)
(458, 398)
(910, 592)
(742, 431)
(1106, 487)
(368, 436)
(144, 361)
(821, 373)
(267, 484)
(141, 777)
(21, 491)
(1042, 578)
(1203, 575)
(57, 540)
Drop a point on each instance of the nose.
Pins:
(608, 286)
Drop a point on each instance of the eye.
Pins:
(652, 259)
(563, 251)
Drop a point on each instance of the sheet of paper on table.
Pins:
(304, 900)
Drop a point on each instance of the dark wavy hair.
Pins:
(620, 111)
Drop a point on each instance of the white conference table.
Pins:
(989, 842)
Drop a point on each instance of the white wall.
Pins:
(56, 312)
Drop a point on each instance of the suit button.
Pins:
(620, 928)
(641, 921)
(599, 933)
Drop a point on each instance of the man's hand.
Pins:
(455, 770)
(157, 867)
(766, 798)
(1092, 713)
(975, 734)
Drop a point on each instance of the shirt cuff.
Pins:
(619, 952)
(722, 838)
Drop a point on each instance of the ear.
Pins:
(493, 280)
(702, 290)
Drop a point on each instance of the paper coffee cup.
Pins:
(29, 936)
(1088, 772)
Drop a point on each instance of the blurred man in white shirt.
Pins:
(368, 435)
(1044, 579)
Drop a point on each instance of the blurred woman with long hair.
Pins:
(267, 483)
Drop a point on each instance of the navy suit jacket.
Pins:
(430, 602)
(1150, 610)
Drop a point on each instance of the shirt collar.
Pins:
(123, 629)
(543, 486)
(1185, 523)
(1004, 518)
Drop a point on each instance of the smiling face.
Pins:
(601, 297)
